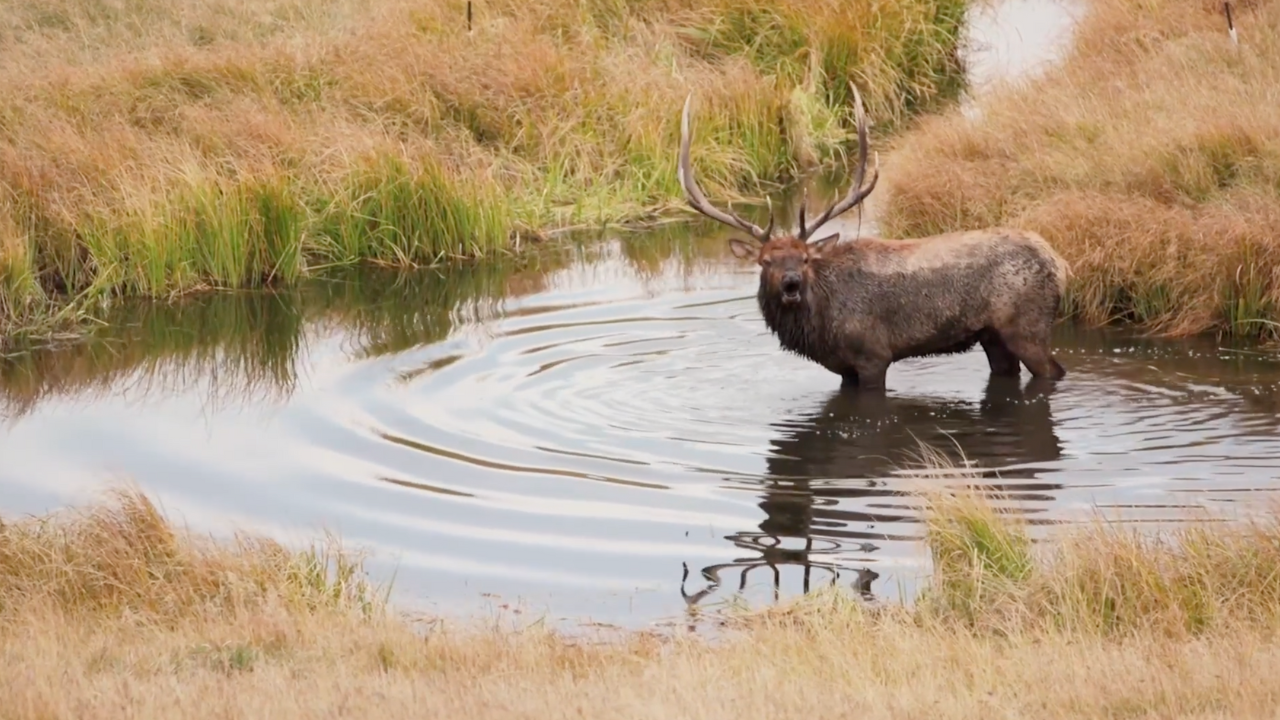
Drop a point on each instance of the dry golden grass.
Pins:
(1150, 158)
(110, 612)
(153, 148)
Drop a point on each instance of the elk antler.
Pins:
(857, 193)
(694, 195)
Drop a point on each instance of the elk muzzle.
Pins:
(790, 287)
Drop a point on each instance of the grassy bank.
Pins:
(158, 147)
(110, 612)
(1150, 158)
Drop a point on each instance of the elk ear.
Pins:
(822, 245)
(743, 249)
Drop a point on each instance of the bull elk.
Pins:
(857, 307)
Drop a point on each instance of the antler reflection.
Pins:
(772, 555)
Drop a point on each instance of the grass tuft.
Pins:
(979, 557)
(122, 559)
(1101, 578)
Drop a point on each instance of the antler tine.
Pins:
(693, 193)
(804, 202)
(857, 193)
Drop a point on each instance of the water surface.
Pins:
(571, 436)
(576, 434)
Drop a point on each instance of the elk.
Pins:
(857, 307)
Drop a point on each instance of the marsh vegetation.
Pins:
(153, 148)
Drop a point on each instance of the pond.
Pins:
(569, 436)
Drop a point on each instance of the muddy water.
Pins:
(568, 437)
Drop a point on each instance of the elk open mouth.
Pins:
(791, 292)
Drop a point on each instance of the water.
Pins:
(568, 437)
(1014, 40)
(577, 436)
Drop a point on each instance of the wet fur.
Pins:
(868, 303)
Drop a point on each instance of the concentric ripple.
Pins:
(580, 446)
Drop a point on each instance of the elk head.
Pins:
(784, 261)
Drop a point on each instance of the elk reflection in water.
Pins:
(848, 451)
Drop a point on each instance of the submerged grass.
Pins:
(155, 148)
(106, 611)
(1150, 158)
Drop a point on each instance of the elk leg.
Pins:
(871, 372)
(849, 378)
(1002, 361)
(1036, 356)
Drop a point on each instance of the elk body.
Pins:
(855, 308)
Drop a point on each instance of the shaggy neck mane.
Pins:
(800, 328)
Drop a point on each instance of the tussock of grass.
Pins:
(979, 557)
(123, 559)
(1102, 579)
(1150, 158)
(108, 611)
(160, 147)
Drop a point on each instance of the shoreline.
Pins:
(110, 607)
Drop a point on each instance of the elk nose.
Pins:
(791, 283)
